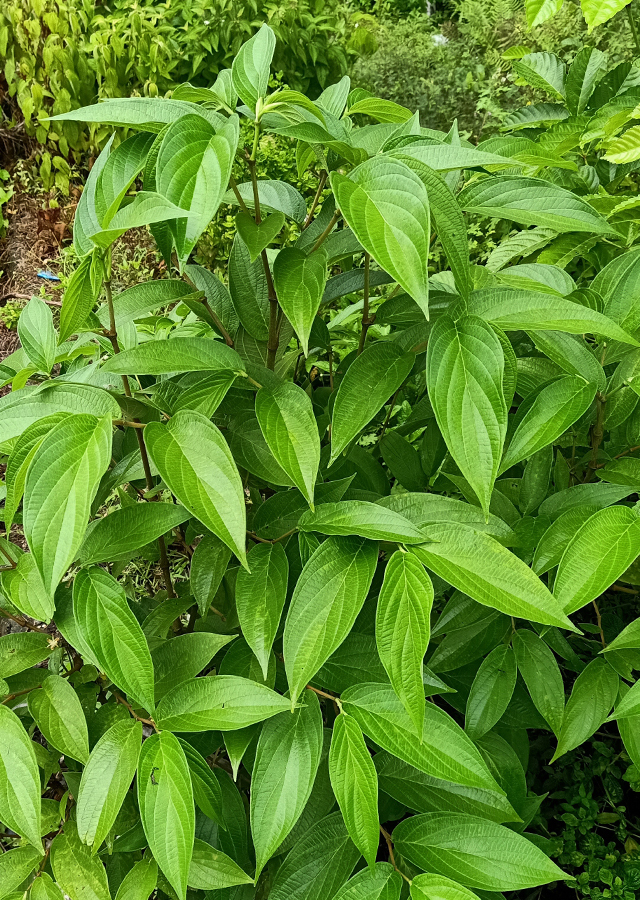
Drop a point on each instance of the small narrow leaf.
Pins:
(327, 599)
(213, 870)
(592, 697)
(37, 334)
(355, 783)
(260, 598)
(168, 816)
(61, 483)
(542, 676)
(224, 702)
(57, 709)
(106, 780)
(387, 207)
(491, 691)
(283, 774)
(403, 630)
(286, 419)
(208, 565)
(382, 367)
(465, 371)
(112, 633)
(19, 779)
(194, 459)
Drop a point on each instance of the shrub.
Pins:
(254, 506)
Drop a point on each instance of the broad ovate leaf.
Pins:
(194, 460)
(387, 207)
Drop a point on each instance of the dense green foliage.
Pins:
(331, 567)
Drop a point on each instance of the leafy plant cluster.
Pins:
(389, 508)
(56, 55)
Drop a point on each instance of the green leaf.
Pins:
(629, 706)
(113, 634)
(24, 588)
(146, 113)
(183, 657)
(538, 11)
(403, 630)
(319, 863)
(582, 78)
(252, 65)
(22, 650)
(213, 870)
(572, 354)
(381, 110)
(77, 872)
(193, 168)
(140, 881)
(599, 552)
(106, 779)
(465, 370)
(362, 518)
(625, 148)
(425, 509)
(168, 815)
(380, 883)
(491, 691)
(37, 334)
(190, 354)
(443, 751)
(223, 702)
(387, 207)
(382, 368)
(257, 237)
(299, 280)
(531, 201)
(597, 12)
(44, 888)
(260, 598)
(628, 639)
(207, 792)
(57, 710)
(327, 598)
(127, 529)
(286, 419)
(543, 71)
(194, 460)
(542, 676)
(208, 565)
(476, 853)
(15, 866)
(283, 774)
(534, 486)
(23, 407)
(61, 483)
(449, 224)
(439, 887)
(19, 779)
(594, 693)
(274, 196)
(480, 567)
(355, 783)
(20, 459)
(135, 302)
(547, 416)
(423, 793)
